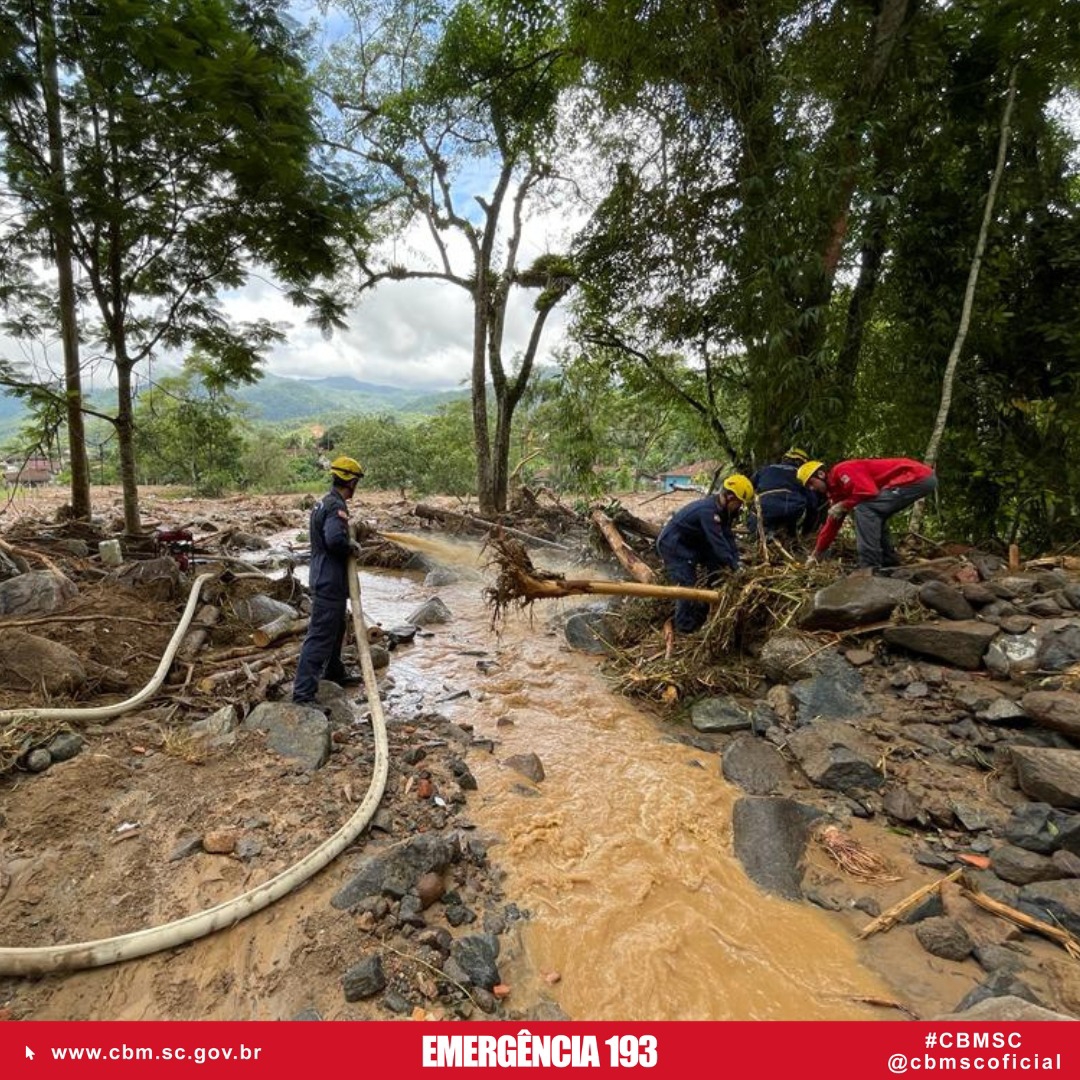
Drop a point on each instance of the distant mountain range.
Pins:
(275, 399)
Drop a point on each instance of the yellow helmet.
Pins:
(740, 487)
(796, 453)
(808, 470)
(346, 468)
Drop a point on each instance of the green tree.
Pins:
(188, 138)
(451, 111)
(187, 432)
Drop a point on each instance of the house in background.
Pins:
(697, 475)
(33, 472)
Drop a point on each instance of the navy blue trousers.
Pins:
(321, 652)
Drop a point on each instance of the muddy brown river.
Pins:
(623, 852)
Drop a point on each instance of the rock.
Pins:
(855, 601)
(65, 745)
(944, 937)
(998, 958)
(216, 724)
(1060, 649)
(529, 765)
(476, 956)
(1016, 624)
(977, 593)
(770, 837)
(1044, 607)
(1038, 826)
(836, 756)
(364, 980)
(260, 609)
(998, 984)
(1055, 902)
(429, 888)
(590, 632)
(961, 644)
(219, 842)
(1072, 594)
(1068, 864)
(719, 714)
(28, 661)
(39, 592)
(440, 576)
(1058, 710)
(829, 697)
(945, 600)
(157, 578)
(787, 657)
(73, 546)
(396, 870)
(1006, 1008)
(858, 657)
(755, 765)
(1001, 711)
(37, 760)
(1022, 867)
(430, 613)
(1049, 775)
(297, 732)
(900, 805)
(971, 818)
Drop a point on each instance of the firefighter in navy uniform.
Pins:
(699, 537)
(787, 507)
(331, 545)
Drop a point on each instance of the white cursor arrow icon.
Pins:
(29, 1053)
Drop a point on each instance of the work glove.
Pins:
(837, 510)
(355, 550)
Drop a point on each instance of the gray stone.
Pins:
(65, 746)
(1021, 866)
(927, 736)
(1013, 654)
(987, 565)
(73, 546)
(755, 765)
(38, 760)
(1001, 711)
(788, 656)
(39, 592)
(1003, 1009)
(1049, 775)
(998, 958)
(216, 724)
(835, 756)
(430, 613)
(900, 805)
(1060, 649)
(590, 632)
(476, 956)
(1058, 710)
(1068, 864)
(770, 837)
(157, 578)
(27, 660)
(260, 609)
(1072, 594)
(440, 576)
(998, 984)
(396, 870)
(1016, 587)
(719, 715)
(972, 818)
(944, 937)
(855, 601)
(1016, 624)
(529, 765)
(930, 907)
(297, 732)
(1055, 902)
(945, 600)
(364, 980)
(977, 593)
(961, 644)
(1043, 607)
(829, 698)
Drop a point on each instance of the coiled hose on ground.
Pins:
(86, 954)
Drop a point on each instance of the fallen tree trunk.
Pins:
(625, 520)
(448, 517)
(245, 672)
(637, 569)
(276, 629)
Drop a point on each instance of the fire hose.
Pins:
(86, 954)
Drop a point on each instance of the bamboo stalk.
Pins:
(638, 570)
(536, 589)
(887, 919)
(1069, 942)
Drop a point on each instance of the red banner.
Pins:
(803, 1051)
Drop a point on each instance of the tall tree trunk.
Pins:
(125, 441)
(485, 488)
(949, 378)
(61, 231)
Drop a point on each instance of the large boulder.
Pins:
(1049, 775)
(1058, 710)
(945, 600)
(854, 601)
(297, 732)
(157, 578)
(40, 592)
(28, 661)
(770, 837)
(787, 656)
(961, 643)
(836, 756)
(1054, 902)
(755, 765)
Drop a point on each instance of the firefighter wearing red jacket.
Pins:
(871, 490)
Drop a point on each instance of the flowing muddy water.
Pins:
(623, 852)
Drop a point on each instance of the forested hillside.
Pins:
(854, 228)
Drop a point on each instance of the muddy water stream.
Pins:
(623, 852)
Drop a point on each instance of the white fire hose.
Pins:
(86, 954)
